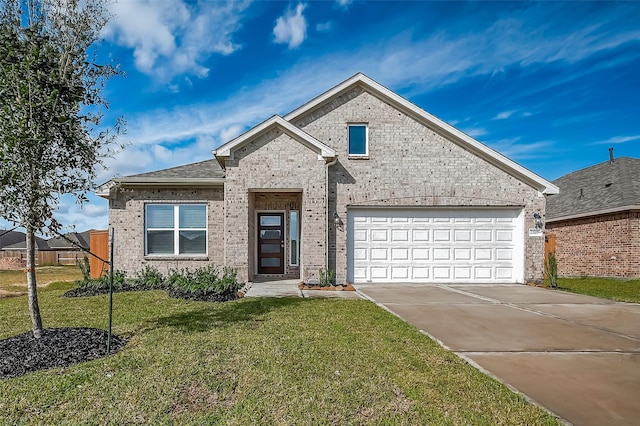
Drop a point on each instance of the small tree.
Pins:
(551, 269)
(50, 106)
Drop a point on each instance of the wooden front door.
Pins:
(271, 243)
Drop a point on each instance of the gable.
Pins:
(364, 83)
(226, 151)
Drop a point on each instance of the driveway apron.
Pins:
(578, 356)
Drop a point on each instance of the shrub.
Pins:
(327, 277)
(149, 277)
(551, 270)
(85, 268)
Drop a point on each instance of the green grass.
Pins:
(46, 277)
(607, 288)
(252, 361)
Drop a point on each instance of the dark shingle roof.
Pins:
(70, 241)
(8, 238)
(603, 187)
(17, 241)
(202, 169)
(56, 243)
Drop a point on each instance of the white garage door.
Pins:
(435, 245)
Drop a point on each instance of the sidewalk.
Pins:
(289, 288)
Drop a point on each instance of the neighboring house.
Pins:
(8, 238)
(72, 241)
(595, 220)
(16, 240)
(358, 180)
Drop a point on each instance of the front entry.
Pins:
(270, 243)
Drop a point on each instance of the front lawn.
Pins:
(607, 288)
(252, 361)
(16, 281)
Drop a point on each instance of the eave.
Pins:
(226, 151)
(104, 190)
(595, 213)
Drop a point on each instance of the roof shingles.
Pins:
(202, 169)
(604, 187)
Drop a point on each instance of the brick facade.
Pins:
(601, 246)
(275, 162)
(410, 165)
(126, 216)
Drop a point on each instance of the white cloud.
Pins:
(324, 27)
(169, 38)
(504, 115)
(514, 150)
(344, 3)
(475, 132)
(291, 28)
(618, 139)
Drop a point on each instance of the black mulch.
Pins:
(58, 347)
(97, 291)
(202, 296)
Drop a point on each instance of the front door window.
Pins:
(270, 243)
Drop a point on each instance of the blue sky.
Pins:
(551, 85)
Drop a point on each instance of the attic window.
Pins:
(358, 140)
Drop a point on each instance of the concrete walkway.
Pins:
(578, 356)
(289, 288)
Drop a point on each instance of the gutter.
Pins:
(595, 213)
(141, 182)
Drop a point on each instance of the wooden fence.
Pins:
(44, 258)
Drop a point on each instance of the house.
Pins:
(16, 240)
(595, 220)
(359, 181)
(72, 241)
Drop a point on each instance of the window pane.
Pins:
(270, 248)
(270, 220)
(293, 236)
(357, 140)
(193, 242)
(159, 216)
(266, 262)
(193, 216)
(270, 234)
(159, 242)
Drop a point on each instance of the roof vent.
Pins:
(581, 193)
(611, 160)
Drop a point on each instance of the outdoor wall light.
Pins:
(538, 219)
(338, 222)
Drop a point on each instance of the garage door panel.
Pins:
(434, 245)
(400, 235)
(441, 235)
(442, 273)
(462, 273)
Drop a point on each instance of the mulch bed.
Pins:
(97, 291)
(346, 287)
(58, 347)
(200, 296)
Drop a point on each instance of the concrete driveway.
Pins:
(578, 356)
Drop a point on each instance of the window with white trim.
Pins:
(175, 229)
(358, 140)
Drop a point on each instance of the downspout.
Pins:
(326, 236)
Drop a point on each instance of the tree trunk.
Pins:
(34, 309)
